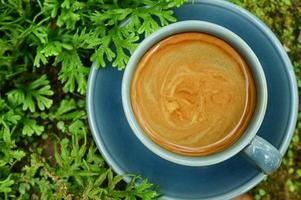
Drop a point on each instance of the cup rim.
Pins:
(242, 47)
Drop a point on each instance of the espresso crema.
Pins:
(193, 94)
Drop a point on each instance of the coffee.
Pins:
(193, 94)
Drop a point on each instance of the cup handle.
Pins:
(263, 155)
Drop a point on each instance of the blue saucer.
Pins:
(124, 152)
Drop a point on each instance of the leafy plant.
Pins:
(46, 48)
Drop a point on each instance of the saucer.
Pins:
(126, 154)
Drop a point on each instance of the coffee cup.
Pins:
(246, 141)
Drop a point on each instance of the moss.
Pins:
(284, 18)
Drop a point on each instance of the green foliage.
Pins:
(31, 127)
(5, 186)
(284, 18)
(46, 46)
(32, 95)
(72, 73)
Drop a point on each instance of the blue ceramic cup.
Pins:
(257, 150)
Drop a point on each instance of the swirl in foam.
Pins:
(193, 94)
